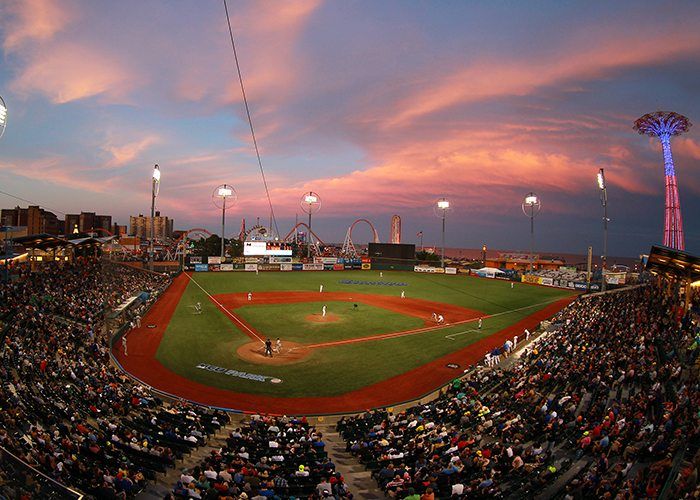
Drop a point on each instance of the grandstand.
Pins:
(600, 402)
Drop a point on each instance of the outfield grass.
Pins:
(289, 321)
(213, 338)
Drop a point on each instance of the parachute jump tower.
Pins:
(664, 124)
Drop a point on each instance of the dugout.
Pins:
(392, 256)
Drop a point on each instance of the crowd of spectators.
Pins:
(267, 457)
(66, 411)
(604, 405)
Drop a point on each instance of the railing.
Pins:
(16, 484)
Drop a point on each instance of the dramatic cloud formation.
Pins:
(381, 107)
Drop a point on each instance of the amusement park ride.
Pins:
(182, 245)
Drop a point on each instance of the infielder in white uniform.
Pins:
(320, 289)
(323, 311)
(250, 296)
(403, 294)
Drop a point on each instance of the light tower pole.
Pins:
(310, 203)
(219, 197)
(531, 206)
(8, 249)
(441, 208)
(604, 201)
(664, 125)
(155, 188)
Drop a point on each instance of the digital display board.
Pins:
(262, 248)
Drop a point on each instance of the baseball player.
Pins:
(250, 296)
(440, 319)
(278, 345)
(403, 294)
(320, 289)
(268, 348)
(512, 285)
(323, 311)
(479, 323)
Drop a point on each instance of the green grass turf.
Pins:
(213, 338)
(289, 321)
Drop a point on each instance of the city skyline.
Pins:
(381, 108)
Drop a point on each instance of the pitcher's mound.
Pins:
(254, 352)
(319, 318)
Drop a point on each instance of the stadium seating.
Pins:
(603, 405)
(65, 410)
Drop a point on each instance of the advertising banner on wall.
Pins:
(201, 268)
(251, 267)
(279, 260)
(286, 266)
(366, 266)
(269, 267)
(195, 259)
(312, 267)
(226, 267)
(428, 269)
(214, 267)
(531, 278)
(547, 281)
(339, 267)
(450, 270)
(213, 260)
(297, 266)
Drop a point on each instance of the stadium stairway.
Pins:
(357, 477)
(164, 483)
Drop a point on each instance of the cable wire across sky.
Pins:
(250, 120)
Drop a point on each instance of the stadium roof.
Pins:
(45, 241)
(669, 262)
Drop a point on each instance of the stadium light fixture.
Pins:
(155, 189)
(604, 201)
(219, 196)
(3, 116)
(531, 206)
(310, 203)
(441, 208)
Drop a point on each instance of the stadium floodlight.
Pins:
(531, 206)
(441, 208)
(155, 189)
(604, 201)
(3, 116)
(310, 204)
(219, 196)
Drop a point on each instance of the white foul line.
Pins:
(225, 310)
(452, 336)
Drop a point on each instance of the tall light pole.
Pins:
(310, 203)
(604, 201)
(441, 208)
(219, 197)
(531, 206)
(8, 250)
(155, 188)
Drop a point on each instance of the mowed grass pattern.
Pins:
(213, 337)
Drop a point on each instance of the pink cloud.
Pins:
(25, 21)
(69, 72)
(487, 78)
(128, 152)
(58, 171)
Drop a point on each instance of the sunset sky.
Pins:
(381, 107)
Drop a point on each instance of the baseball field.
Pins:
(204, 340)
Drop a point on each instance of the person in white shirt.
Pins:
(320, 289)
